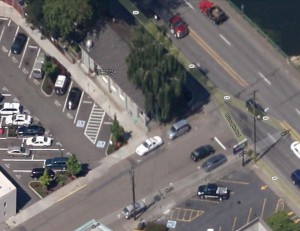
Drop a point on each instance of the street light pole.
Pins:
(254, 124)
(133, 191)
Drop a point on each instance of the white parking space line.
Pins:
(47, 149)
(35, 61)
(219, 142)
(297, 110)
(271, 137)
(222, 37)
(94, 123)
(78, 107)
(108, 123)
(71, 84)
(3, 149)
(189, 4)
(24, 51)
(264, 78)
(2, 33)
(8, 24)
(3, 18)
(23, 160)
(6, 94)
(21, 170)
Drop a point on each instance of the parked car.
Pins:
(37, 71)
(179, 128)
(19, 43)
(130, 210)
(18, 119)
(7, 109)
(1, 98)
(295, 176)
(61, 84)
(36, 173)
(18, 151)
(149, 145)
(214, 162)
(31, 130)
(41, 141)
(202, 152)
(295, 147)
(74, 98)
(254, 107)
(59, 163)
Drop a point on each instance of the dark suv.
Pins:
(202, 152)
(74, 98)
(253, 107)
(295, 176)
(36, 173)
(18, 43)
(31, 130)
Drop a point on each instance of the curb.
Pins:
(42, 90)
(34, 190)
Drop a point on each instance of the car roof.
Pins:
(14, 148)
(297, 173)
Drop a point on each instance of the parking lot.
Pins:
(84, 131)
(249, 198)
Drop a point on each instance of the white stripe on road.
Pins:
(35, 62)
(189, 4)
(3, 18)
(219, 142)
(78, 107)
(2, 33)
(22, 170)
(297, 110)
(264, 78)
(271, 137)
(107, 122)
(47, 149)
(23, 160)
(6, 94)
(24, 52)
(222, 37)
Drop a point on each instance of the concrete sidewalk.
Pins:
(93, 89)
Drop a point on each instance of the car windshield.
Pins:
(34, 139)
(147, 143)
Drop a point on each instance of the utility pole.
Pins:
(254, 124)
(133, 191)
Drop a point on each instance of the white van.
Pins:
(61, 84)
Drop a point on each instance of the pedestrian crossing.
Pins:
(94, 123)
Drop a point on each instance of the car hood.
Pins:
(141, 150)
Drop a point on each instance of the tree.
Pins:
(34, 11)
(45, 179)
(155, 71)
(73, 165)
(50, 69)
(64, 16)
(280, 221)
(117, 132)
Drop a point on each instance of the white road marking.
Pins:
(7, 165)
(189, 4)
(3, 18)
(85, 101)
(107, 122)
(271, 137)
(21, 170)
(35, 62)
(4, 49)
(3, 149)
(78, 107)
(264, 78)
(57, 103)
(35, 81)
(297, 110)
(24, 52)
(46, 149)
(6, 94)
(222, 37)
(2, 33)
(33, 47)
(4, 89)
(219, 142)
(8, 24)
(22, 160)
(18, 176)
(71, 84)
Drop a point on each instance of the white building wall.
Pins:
(8, 198)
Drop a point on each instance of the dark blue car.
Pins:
(19, 43)
(31, 130)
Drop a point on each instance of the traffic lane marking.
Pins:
(218, 59)
(226, 41)
(235, 182)
(286, 126)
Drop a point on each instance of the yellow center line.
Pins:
(72, 192)
(295, 135)
(218, 59)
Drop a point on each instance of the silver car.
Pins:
(129, 211)
(18, 151)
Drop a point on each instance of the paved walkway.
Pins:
(100, 96)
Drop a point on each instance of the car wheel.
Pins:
(202, 197)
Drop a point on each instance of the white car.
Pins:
(39, 141)
(295, 147)
(149, 145)
(18, 119)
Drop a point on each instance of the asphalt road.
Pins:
(239, 61)
(158, 169)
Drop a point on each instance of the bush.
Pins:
(48, 85)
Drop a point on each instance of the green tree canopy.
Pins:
(73, 165)
(63, 16)
(117, 131)
(281, 221)
(34, 12)
(155, 71)
(45, 179)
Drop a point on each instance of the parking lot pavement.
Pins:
(249, 198)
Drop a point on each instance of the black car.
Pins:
(214, 162)
(1, 98)
(36, 173)
(18, 43)
(74, 98)
(31, 130)
(254, 107)
(202, 152)
(295, 176)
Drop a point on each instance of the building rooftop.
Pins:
(109, 51)
(256, 224)
(5, 185)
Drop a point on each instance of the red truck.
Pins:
(178, 27)
(213, 12)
